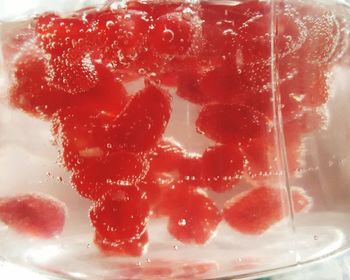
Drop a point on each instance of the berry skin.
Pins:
(194, 220)
(82, 136)
(221, 167)
(172, 35)
(111, 172)
(255, 211)
(117, 36)
(154, 10)
(30, 91)
(189, 88)
(322, 34)
(56, 35)
(231, 123)
(133, 248)
(36, 215)
(120, 214)
(141, 124)
(166, 157)
(73, 72)
(309, 86)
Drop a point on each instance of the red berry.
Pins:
(56, 35)
(222, 167)
(152, 187)
(108, 95)
(120, 214)
(190, 169)
(30, 91)
(73, 72)
(166, 157)
(172, 197)
(262, 158)
(118, 35)
(194, 220)
(189, 87)
(231, 123)
(257, 210)
(223, 84)
(141, 124)
(131, 247)
(172, 35)
(84, 136)
(110, 172)
(33, 214)
(322, 33)
(309, 87)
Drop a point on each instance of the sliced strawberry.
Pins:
(222, 167)
(143, 121)
(36, 215)
(194, 220)
(231, 123)
(120, 214)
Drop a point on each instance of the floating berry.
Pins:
(223, 84)
(190, 169)
(84, 136)
(152, 187)
(231, 123)
(120, 214)
(73, 72)
(30, 91)
(36, 215)
(172, 35)
(132, 247)
(255, 211)
(166, 156)
(189, 87)
(118, 35)
(309, 87)
(56, 35)
(108, 173)
(172, 197)
(322, 33)
(222, 167)
(194, 220)
(141, 124)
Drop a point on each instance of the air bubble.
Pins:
(168, 35)
(182, 222)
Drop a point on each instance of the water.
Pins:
(302, 86)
